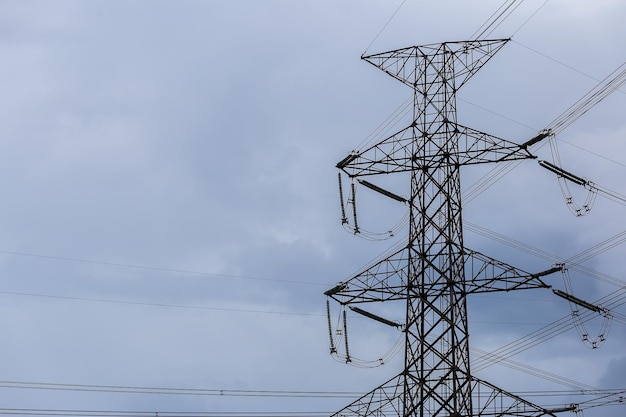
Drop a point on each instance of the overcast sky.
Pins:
(171, 216)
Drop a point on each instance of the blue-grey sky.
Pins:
(171, 215)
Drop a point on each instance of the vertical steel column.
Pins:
(437, 377)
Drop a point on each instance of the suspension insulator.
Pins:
(375, 317)
(542, 135)
(356, 224)
(345, 161)
(345, 335)
(344, 219)
(383, 191)
(549, 271)
(334, 290)
(563, 173)
(577, 301)
(333, 349)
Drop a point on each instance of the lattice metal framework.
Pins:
(434, 273)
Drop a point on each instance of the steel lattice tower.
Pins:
(434, 272)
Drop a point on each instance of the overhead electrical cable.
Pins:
(155, 268)
(613, 300)
(559, 62)
(572, 262)
(117, 413)
(125, 389)
(385, 127)
(615, 398)
(603, 398)
(541, 373)
(598, 248)
(606, 158)
(599, 92)
(142, 303)
(530, 18)
(496, 19)
(577, 320)
(495, 113)
(384, 26)
(565, 177)
(583, 256)
(566, 323)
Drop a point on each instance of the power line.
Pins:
(559, 62)
(384, 26)
(530, 18)
(615, 240)
(124, 389)
(155, 268)
(577, 388)
(606, 158)
(140, 303)
(602, 397)
(106, 413)
(599, 92)
(496, 19)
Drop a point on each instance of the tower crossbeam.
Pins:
(387, 280)
(397, 153)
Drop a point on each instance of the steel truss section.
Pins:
(398, 152)
(387, 279)
(487, 399)
(434, 273)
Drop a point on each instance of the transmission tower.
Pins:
(434, 272)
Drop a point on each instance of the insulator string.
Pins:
(333, 349)
(344, 219)
(345, 336)
(355, 228)
(579, 324)
(353, 201)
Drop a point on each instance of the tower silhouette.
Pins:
(434, 272)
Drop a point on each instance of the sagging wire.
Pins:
(599, 92)
(613, 301)
(349, 210)
(579, 323)
(564, 177)
(348, 203)
(339, 337)
(592, 188)
(602, 90)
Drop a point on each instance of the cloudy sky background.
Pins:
(171, 215)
